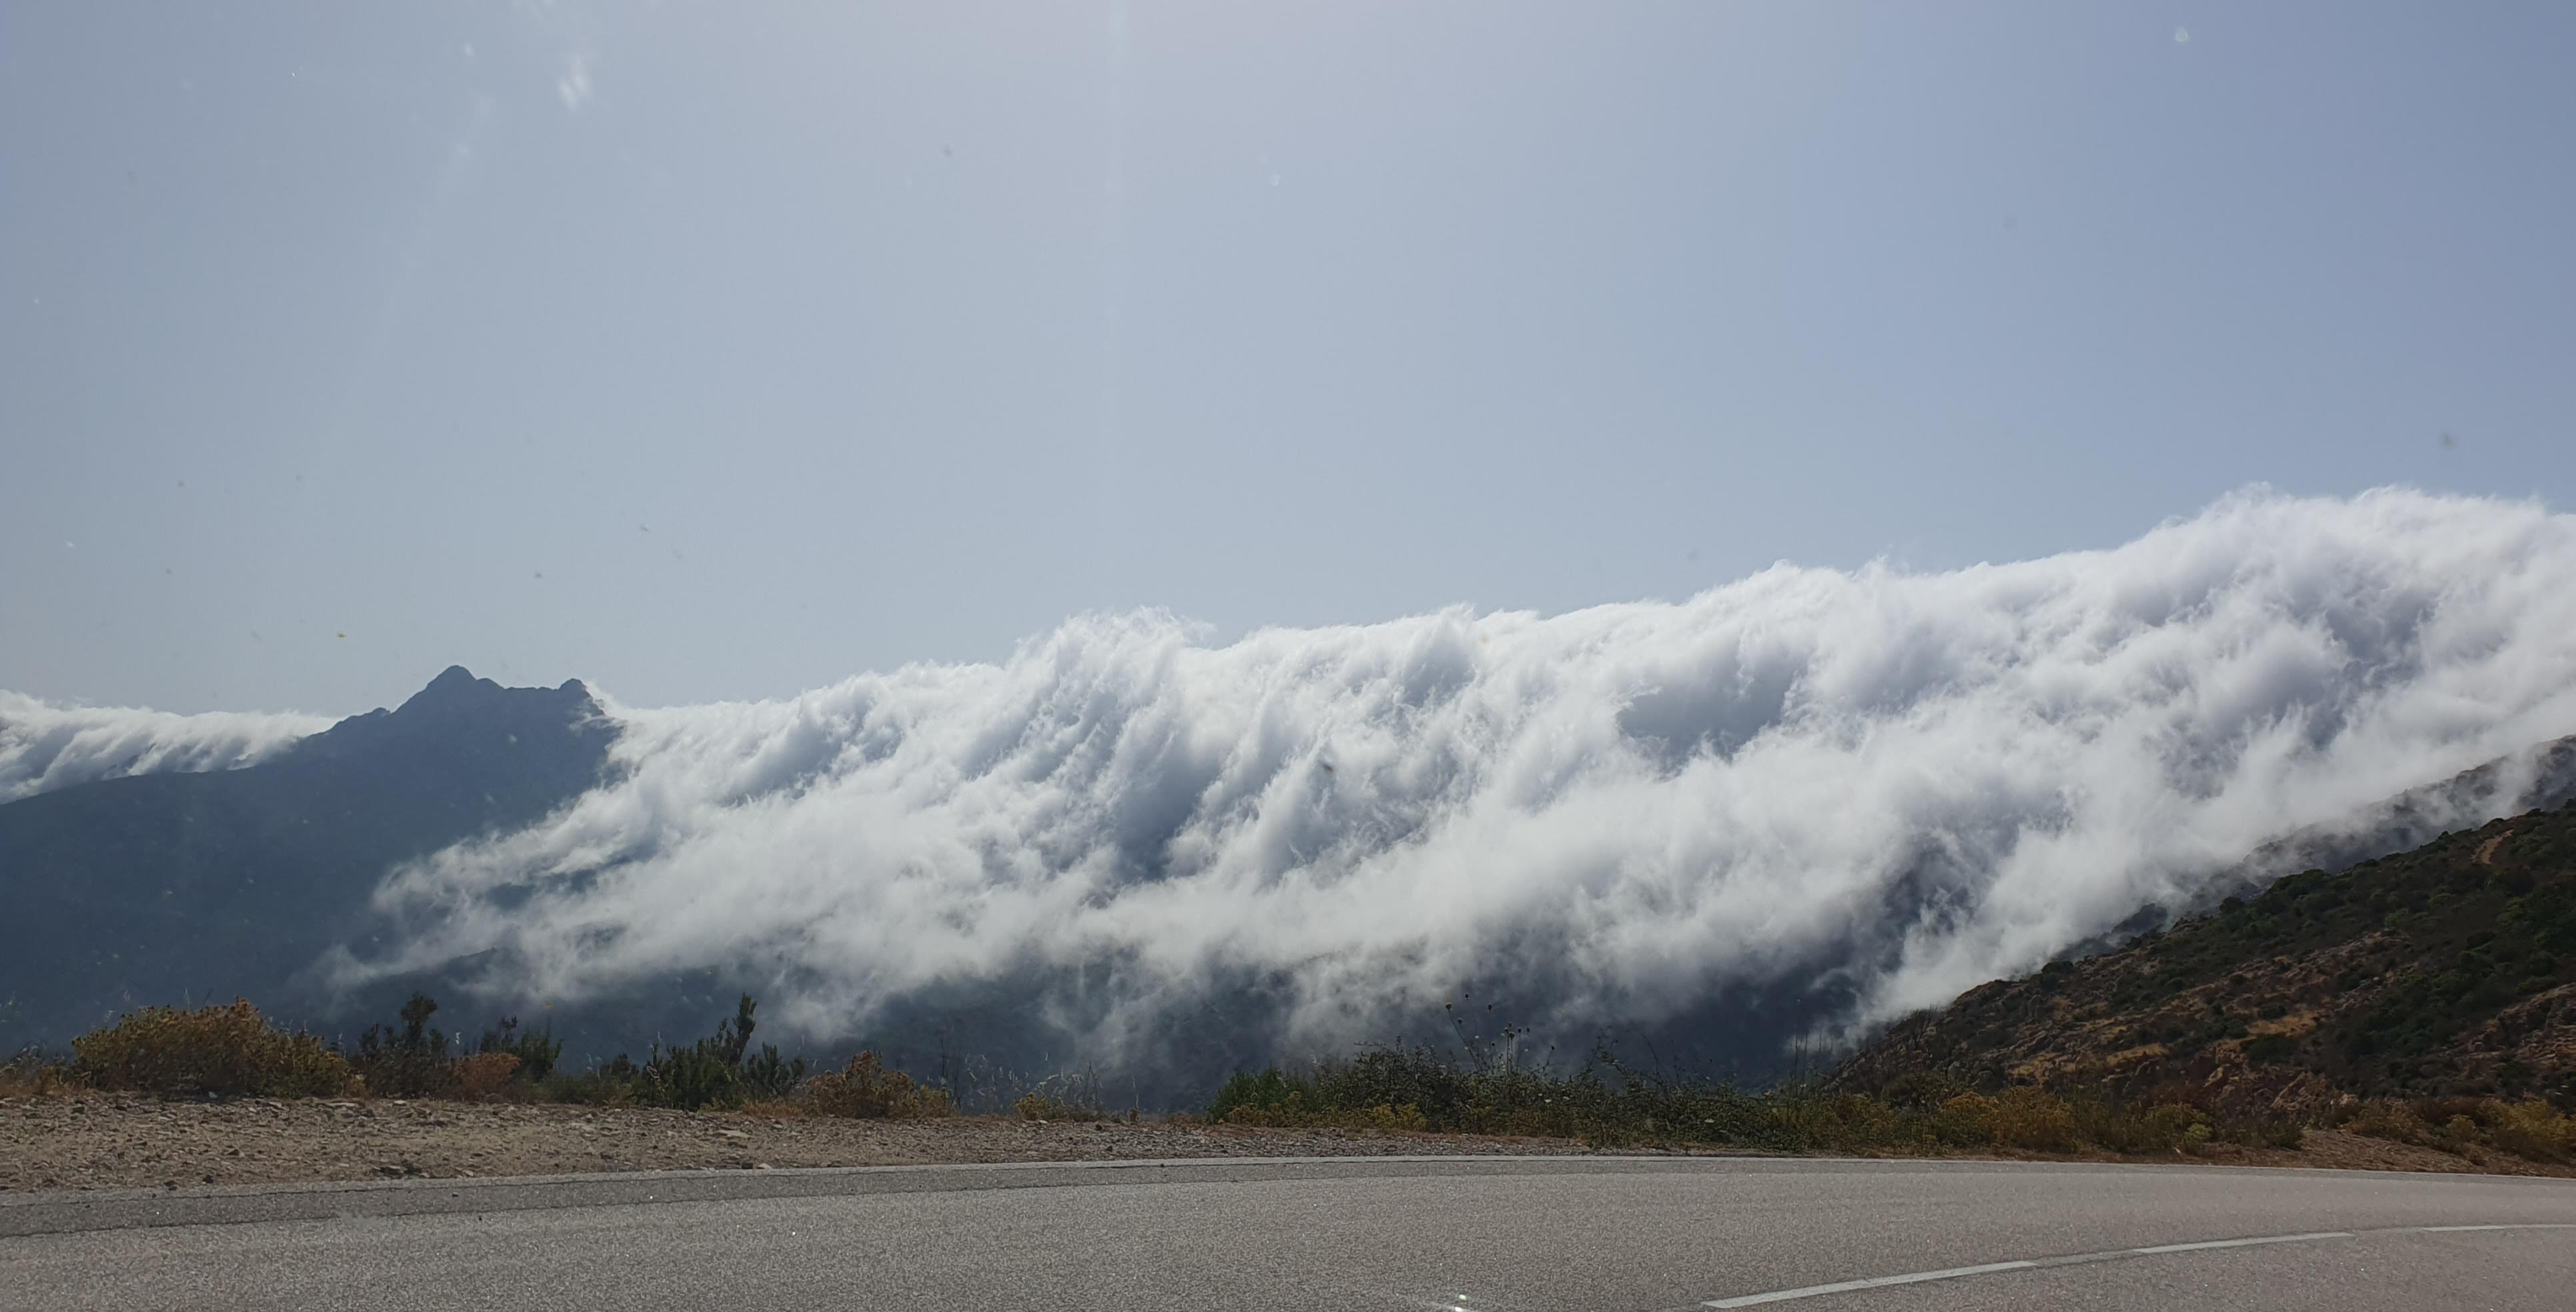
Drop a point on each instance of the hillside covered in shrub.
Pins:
(2447, 972)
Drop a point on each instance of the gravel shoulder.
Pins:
(107, 1141)
(123, 1142)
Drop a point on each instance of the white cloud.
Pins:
(44, 747)
(1960, 773)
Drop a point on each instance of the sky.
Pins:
(723, 352)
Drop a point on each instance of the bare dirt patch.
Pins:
(2487, 849)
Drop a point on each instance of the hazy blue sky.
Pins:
(716, 351)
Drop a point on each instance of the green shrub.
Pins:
(1608, 1104)
(2279, 1133)
(411, 1061)
(2271, 1048)
(222, 1051)
(710, 1072)
(770, 1076)
(1917, 1091)
(690, 1079)
(536, 1051)
(1268, 1093)
(609, 1086)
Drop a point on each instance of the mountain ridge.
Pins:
(163, 888)
(148, 888)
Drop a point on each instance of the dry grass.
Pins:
(1382, 1116)
(33, 1074)
(866, 1089)
(486, 1077)
(220, 1051)
(2030, 1119)
(1609, 1106)
(2531, 1130)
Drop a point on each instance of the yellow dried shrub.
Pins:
(865, 1089)
(485, 1076)
(2030, 1118)
(1966, 1120)
(2533, 1130)
(1293, 1114)
(222, 1051)
(1405, 1116)
(32, 1078)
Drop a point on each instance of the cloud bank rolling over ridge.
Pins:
(1658, 801)
(1903, 783)
(44, 747)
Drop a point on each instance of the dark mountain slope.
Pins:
(141, 890)
(2450, 969)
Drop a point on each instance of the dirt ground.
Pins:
(109, 1141)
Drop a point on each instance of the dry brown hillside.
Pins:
(2447, 970)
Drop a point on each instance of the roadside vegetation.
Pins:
(1485, 1087)
(1609, 1104)
(231, 1051)
(217, 1050)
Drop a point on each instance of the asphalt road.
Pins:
(1487, 1235)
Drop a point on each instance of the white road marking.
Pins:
(2463, 1229)
(2107, 1255)
(2220, 1243)
(1874, 1282)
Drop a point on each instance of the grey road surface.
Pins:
(1486, 1235)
